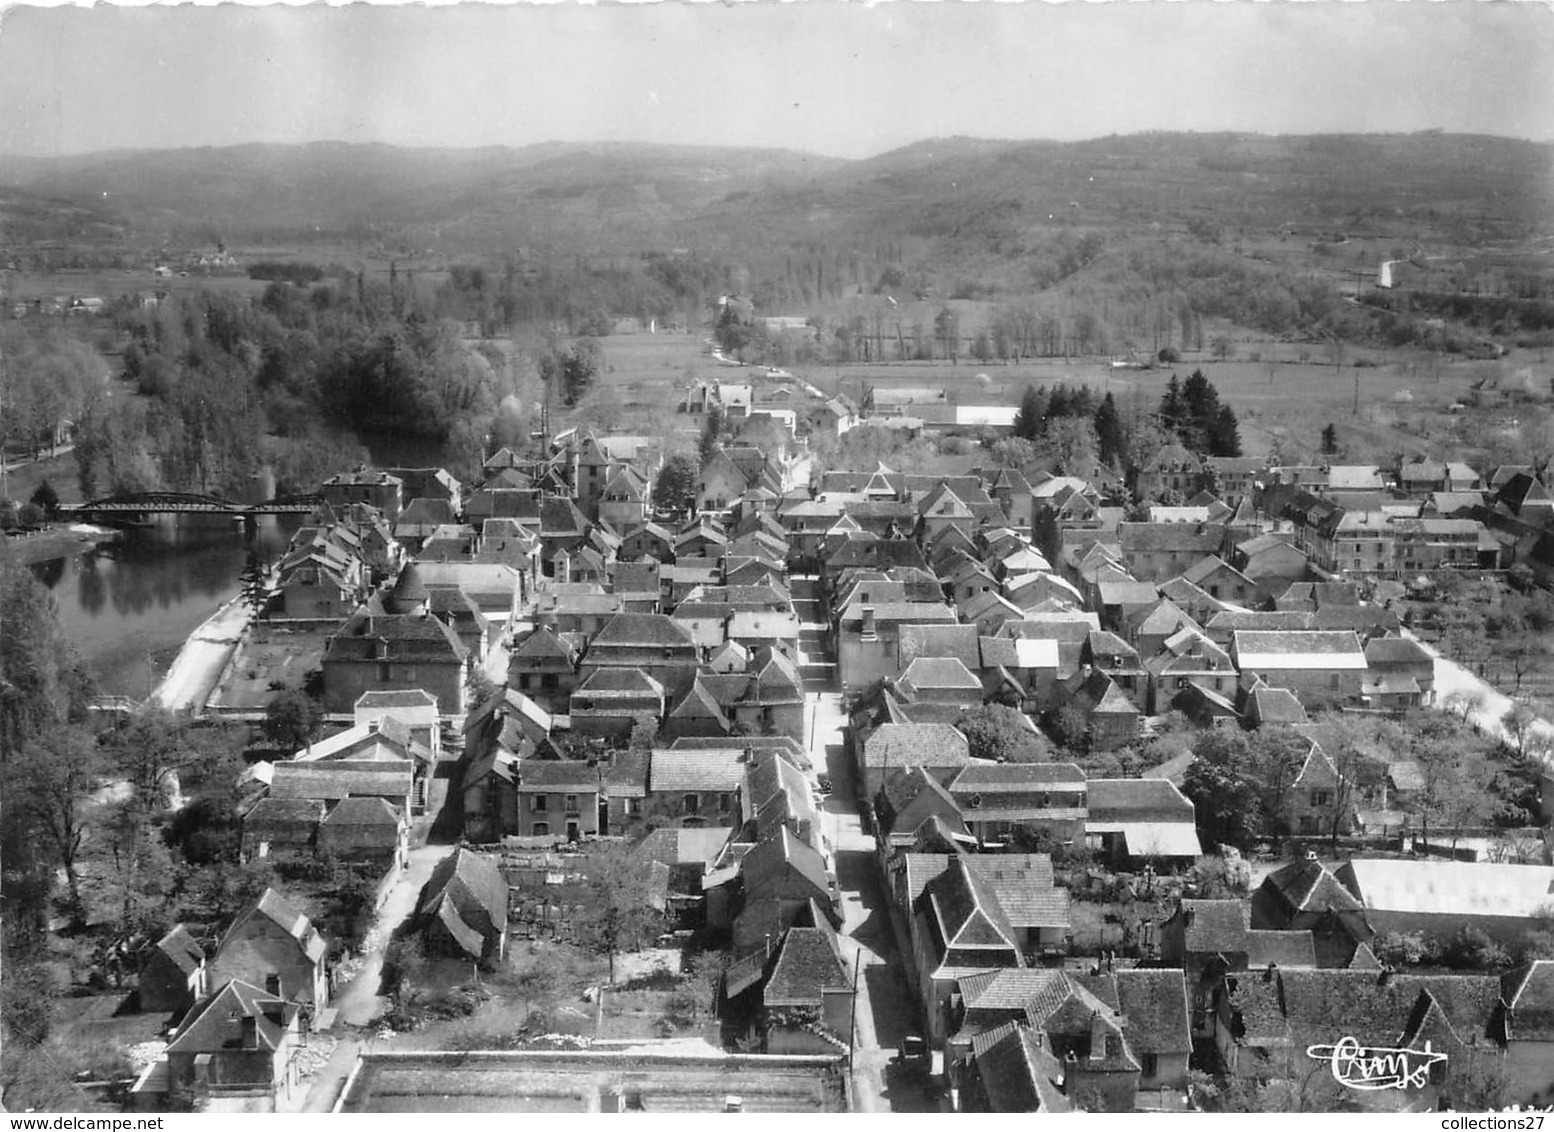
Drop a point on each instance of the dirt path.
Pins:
(359, 1003)
(1453, 679)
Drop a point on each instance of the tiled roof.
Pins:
(1017, 1075)
(1021, 884)
(690, 771)
(272, 906)
(408, 697)
(367, 636)
(1154, 1008)
(652, 630)
(967, 912)
(768, 774)
(951, 641)
(916, 744)
(331, 780)
(550, 775)
(939, 672)
(1379, 1009)
(1214, 926)
(465, 889)
(627, 776)
(1024, 888)
(374, 812)
(216, 1024)
(1395, 650)
(1278, 705)
(272, 815)
(1281, 948)
(1137, 799)
(904, 786)
(1016, 777)
(1223, 624)
(182, 949)
(1126, 591)
(1298, 649)
(807, 965)
(1182, 538)
(619, 682)
(782, 851)
(544, 643)
(902, 612)
(701, 702)
(1306, 885)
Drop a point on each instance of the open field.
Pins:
(646, 368)
(109, 283)
(1284, 397)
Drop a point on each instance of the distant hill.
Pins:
(31, 219)
(328, 189)
(964, 192)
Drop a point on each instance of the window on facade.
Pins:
(724, 801)
(633, 805)
(549, 680)
(1321, 797)
(537, 803)
(693, 803)
(541, 829)
(571, 803)
(1332, 681)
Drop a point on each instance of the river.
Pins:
(129, 607)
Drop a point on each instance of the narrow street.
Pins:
(357, 1003)
(885, 1010)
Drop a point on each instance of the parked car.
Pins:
(915, 1054)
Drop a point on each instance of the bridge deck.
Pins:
(172, 503)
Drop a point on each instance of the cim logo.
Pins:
(1377, 1067)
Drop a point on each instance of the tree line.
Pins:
(231, 387)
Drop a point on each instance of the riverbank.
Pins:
(62, 541)
(204, 657)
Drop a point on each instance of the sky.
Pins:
(839, 78)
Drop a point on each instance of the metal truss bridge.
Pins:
(183, 503)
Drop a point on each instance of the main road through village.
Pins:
(873, 937)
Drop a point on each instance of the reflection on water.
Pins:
(130, 607)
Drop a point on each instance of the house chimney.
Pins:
(1098, 1034)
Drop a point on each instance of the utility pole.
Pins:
(1356, 392)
